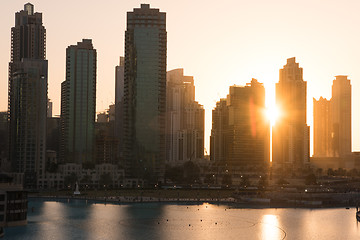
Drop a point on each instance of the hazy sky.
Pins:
(220, 43)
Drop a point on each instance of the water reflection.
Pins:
(270, 228)
(147, 217)
(55, 211)
(78, 220)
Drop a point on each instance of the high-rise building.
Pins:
(341, 115)
(28, 35)
(78, 103)
(119, 81)
(28, 96)
(323, 137)
(145, 93)
(119, 107)
(49, 108)
(240, 135)
(220, 119)
(106, 142)
(291, 133)
(184, 119)
(4, 128)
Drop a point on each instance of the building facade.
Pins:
(332, 121)
(240, 136)
(184, 120)
(145, 93)
(27, 97)
(341, 115)
(220, 119)
(323, 137)
(119, 108)
(290, 133)
(78, 103)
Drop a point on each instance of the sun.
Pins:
(272, 113)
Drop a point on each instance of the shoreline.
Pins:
(191, 201)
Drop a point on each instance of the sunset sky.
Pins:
(220, 43)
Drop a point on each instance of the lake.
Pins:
(80, 219)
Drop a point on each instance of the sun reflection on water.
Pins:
(270, 229)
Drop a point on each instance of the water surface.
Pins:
(78, 219)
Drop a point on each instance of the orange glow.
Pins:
(273, 114)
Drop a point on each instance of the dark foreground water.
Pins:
(78, 219)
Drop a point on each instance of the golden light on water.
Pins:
(270, 229)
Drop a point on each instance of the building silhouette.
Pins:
(184, 119)
(291, 133)
(323, 134)
(145, 93)
(78, 103)
(220, 121)
(341, 115)
(332, 121)
(240, 134)
(4, 133)
(27, 97)
(119, 108)
(106, 142)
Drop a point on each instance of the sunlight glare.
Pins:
(272, 113)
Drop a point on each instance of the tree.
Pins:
(105, 180)
(330, 172)
(227, 180)
(70, 180)
(282, 181)
(319, 171)
(209, 179)
(340, 172)
(310, 179)
(86, 180)
(191, 172)
(353, 172)
(263, 182)
(244, 181)
(175, 174)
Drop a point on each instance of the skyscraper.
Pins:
(28, 96)
(220, 119)
(78, 103)
(119, 107)
(28, 35)
(241, 132)
(291, 133)
(341, 115)
(184, 119)
(145, 93)
(323, 132)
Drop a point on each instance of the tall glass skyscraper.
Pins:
(291, 133)
(27, 98)
(78, 103)
(145, 93)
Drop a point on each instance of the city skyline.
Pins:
(258, 48)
